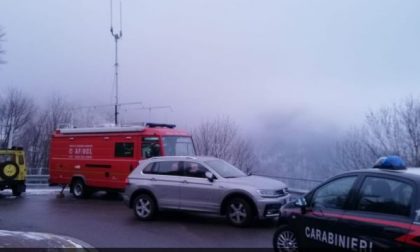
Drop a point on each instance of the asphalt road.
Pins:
(105, 222)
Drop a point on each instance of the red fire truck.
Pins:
(91, 159)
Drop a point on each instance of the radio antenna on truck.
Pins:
(117, 36)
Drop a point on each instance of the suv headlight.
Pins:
(269, 193)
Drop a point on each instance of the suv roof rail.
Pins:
(13, 148)
(177, 157)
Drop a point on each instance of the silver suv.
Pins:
(203, 184)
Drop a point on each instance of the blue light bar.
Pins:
(390, 162)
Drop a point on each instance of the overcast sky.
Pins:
(269, 60)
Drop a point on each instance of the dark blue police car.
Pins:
(363, 210)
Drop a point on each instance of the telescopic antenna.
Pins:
(117, 36)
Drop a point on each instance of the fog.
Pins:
(290, 73)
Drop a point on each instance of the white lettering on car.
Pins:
(318, 235)
(307, 231)
(330, 238)
(338, 240)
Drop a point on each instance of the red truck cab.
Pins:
(91, 159)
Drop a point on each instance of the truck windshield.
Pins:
(225, 169)
(178, 146)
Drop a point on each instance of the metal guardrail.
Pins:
(293, 187)
(297, 191)
(297, 186)
(37, 179)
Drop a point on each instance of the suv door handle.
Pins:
(184, 181)
(153, 179)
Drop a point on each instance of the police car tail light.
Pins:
(390, 163)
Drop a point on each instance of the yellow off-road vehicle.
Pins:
(13, 170)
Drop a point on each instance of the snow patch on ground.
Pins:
(42, 191)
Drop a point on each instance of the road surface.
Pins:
(105, 222)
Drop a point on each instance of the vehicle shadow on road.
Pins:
(191, 218)
(7, 196)
(107, 196)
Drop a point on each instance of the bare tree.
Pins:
(352, 151)
(220, 138)
(90, 116)
(38, 133)
(392, 130)
(2, 35)
(16, 111)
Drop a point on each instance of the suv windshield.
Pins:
(178, 146)
(225, 169)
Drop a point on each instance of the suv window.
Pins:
(7, 158)
(333, 194)
(148, 169)
(167, 168)
(193, 169)
(383, 195)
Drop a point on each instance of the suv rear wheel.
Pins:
(239, 212)
(144, 207)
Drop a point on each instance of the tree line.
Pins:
(31, 127)
(391, 130)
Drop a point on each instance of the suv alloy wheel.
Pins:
(144, 207)
(239, 212)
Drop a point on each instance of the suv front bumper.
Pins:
(270, 207)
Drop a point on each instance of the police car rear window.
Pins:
(383, 195)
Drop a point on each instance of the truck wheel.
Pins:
(79, 189)
(144, 207)
(239, 212)
(9, 170)
(285, 239)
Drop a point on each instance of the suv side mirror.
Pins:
(209, 176)
(301, 203)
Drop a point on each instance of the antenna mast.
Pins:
(116, 36)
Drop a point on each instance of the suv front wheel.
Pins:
(239, 212)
